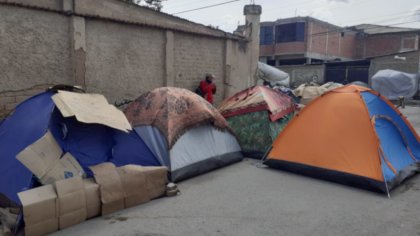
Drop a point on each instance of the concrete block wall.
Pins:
(411, 64)
(123, 61)
(190, 64)
(110, 47)
(34, 54)
(300, 74)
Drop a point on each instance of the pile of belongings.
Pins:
(60, 135)
(350, 135)
(272, 75)
(257, 115)
(183, 131)
(395, 84)
(309, 91)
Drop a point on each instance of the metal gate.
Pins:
(347, 72)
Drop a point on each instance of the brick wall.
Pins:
(267, 50)
(385, 44)
(317, 38)
(348, 45)
(9, 99)
(292, 47)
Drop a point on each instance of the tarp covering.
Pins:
(392, 84)
(272, 74)
(309, 92)
(342, 137)
(258, 98)
(173, 111)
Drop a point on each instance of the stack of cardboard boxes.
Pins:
(43, 159)
(67, 199)
(71, 201)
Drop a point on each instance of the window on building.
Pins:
(266, 35)
(271, 62)
(292, 32)
(285, 62)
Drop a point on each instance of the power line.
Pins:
(176, 5)
(209, 6)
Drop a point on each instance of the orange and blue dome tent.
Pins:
(350, 135)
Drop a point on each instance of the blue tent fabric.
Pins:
(131, 149)
(392, 135)
(90, 144)
(377, 106)
(27, 124)
(394, 148)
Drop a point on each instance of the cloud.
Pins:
(341, 1)
(414, 15)
(321, 13)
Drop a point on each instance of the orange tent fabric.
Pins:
(333, 134)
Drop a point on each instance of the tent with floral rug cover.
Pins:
(185, 132)
(257, 115)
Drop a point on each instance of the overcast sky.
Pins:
(338, 12)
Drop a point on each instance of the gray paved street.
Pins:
(244, 199)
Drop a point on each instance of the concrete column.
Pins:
(252, 33)
(169, 59)
(78, 52)
(67, 6)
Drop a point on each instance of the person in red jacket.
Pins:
(208, 87)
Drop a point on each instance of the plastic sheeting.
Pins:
(394, 84)
(275, 76)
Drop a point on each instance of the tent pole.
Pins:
(266, 154)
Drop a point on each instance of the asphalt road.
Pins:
(245, 199)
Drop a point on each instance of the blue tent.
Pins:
(90, 144)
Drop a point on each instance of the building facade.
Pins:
(306, 40)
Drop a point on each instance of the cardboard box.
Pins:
(66, 167)
(110, 186)
(135, 185)
(81, 106)
(40, 210)
(72, 218)
(71, 201)
(42, 158)
(43, 228)
(93, 200)
(157, 178)
(39, 204)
